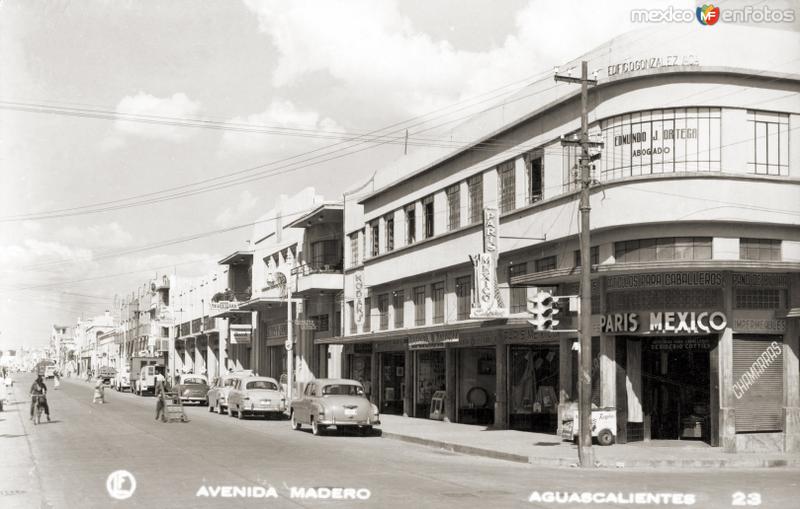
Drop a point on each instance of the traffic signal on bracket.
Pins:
(543, 307)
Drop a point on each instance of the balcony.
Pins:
(319, 277)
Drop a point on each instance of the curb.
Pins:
(745, 463)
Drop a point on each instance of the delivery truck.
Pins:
(137, 363)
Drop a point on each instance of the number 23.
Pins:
(740, 498)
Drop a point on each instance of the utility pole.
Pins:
(585, 453)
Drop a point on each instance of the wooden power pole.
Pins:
(585, 453)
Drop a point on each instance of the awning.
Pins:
(391, 335)
(791, 313)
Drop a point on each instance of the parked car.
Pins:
(122, 381)
(218, 393)
(256, 395)
(334, 402)
(146, 379)
(192, 388)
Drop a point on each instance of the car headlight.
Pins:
(375, 413)
(321, 412)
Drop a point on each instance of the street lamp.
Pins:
(286, 272)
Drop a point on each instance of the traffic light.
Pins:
(543, 307)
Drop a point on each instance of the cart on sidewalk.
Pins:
(173, 408)
(604, 425)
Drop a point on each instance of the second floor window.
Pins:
(353, 249)
(398, 301)
(325, 255)
(475, 191)
(427, 208)
(770, 151)
(453, 207)
(535, 177)
(374, 234)
(352, 312)
(463, 294)
(505, 175)
(383, 311)
(411, 225)
(546, 263)
(594, 255)
(760, 249)
(518, 300)
(367, 314)
(437, 295)
(665, 248)
(419, 305)
(389, 233)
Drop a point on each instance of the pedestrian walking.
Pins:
(161, 395)
(99, 392)
(56, 381)
(3, 395)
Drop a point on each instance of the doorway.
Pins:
(676, 380)
(392, 382)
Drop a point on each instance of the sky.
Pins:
(275, 91)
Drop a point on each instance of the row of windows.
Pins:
(463, 304)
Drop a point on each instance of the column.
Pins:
(323, 361)
(727, 414)
(223, 346)
(608, 371)
(408, 377)
(213, 366)
(564, 380)
(450, 361)
(501, 377)
(791, 374)
(374, 378)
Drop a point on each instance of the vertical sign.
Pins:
(485, 303)
(359, 308)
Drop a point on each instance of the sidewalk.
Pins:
(550, 451)
(19, 479)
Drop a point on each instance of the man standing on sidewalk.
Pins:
(161, 391)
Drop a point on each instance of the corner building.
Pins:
(695, 250)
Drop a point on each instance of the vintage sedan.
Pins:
(334, 402)
(256, 395)
(192, 388)
(218, 393)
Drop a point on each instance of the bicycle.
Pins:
(38, 409)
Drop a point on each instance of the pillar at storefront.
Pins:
(373, 379)
(564, 379)
(213, 366)
(199, 361)
(323, 361)
(727, 413)
(791, 373)
(501, 377)
(608, 371)
(450, 361)
(223, 346)
(408, 379)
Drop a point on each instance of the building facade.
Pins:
(695, 251)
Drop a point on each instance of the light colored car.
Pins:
(192, 388)
(256, 395)
(218, 393)
(121, 381)
(334, 402)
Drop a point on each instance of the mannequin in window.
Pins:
(525, 386)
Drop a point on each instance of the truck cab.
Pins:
(146, 381)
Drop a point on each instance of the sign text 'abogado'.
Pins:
(691, 322)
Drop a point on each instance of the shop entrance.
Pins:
(676, 380)
(429, 378)
(393, 366)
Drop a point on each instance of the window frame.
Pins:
(475, 198)
(398, 305)
(453, 194)
(428, 217)
(463, 297)
(389, 228)
(420, 317)
(437, 299)
(507, 186)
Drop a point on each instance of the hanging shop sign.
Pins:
(760, 325)
(359, 282)
(240, 337)
(432, 340)
(664, 322)
(664, 279)
(491, 222)
(485, 295)
(223, 305)
(276, 330)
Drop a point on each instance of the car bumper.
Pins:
(193, 398)
(256, 409)
(349, 422)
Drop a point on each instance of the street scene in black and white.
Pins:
(399, 253)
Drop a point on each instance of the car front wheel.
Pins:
(295, 423)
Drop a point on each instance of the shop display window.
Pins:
(430, 378)
(477, 385)
(361, 370)
(533, 403)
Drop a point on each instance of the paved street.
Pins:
(65, 464)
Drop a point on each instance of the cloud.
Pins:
(142, 104)
(33, 251)
(101, 235)
(239, 212)
(377, 53)
(300, 128)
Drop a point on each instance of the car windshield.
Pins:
(343, 389)
(193, 381)
(262, 384)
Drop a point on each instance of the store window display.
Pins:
(533, 403)
(361, 370)
(430, 378)
(477, 385)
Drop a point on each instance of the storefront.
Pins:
(358, 365)
(429, 377)
(533, 387)
(477, 385)
(393, 366)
